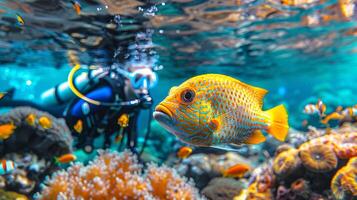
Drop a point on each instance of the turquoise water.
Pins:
(299, 50)
(263, 43)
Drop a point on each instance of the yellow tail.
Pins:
(278, 122)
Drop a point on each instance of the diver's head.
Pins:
(139, 79)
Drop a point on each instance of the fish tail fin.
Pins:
(278, 122)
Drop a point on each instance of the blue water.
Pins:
(263, 43)
(300, 51)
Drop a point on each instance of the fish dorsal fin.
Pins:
(258, 92)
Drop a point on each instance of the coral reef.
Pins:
(37, 139)
(204, 167)
(316, 169)
(344, 184)
(222, 188)
(319, 158)
(4, 195)
(113, 175)
(31, 136)
(286, 162)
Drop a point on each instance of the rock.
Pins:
(222, 189)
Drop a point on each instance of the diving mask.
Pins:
(140, 77)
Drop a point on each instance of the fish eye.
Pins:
(187, 95)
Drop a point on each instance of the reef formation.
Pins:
(115, 175)
(37, 138)
(324, 167)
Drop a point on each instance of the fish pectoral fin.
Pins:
(214, 124)
(255, 138)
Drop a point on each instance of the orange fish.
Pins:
(66, 158)
(184, 152)
(349, 112)
(236, 171)
(30, 119)
(118, 138)
(123, 120)
(76, 7)
(6, 130)
(220, 111)
(45, 122)
(332, 116)
(318, 108)
(2, 95)
(78, 127)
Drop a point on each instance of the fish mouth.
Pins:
(163, 110)
(164, 116)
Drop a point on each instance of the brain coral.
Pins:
(44, 142)
(343, 184)
(286, 162)
(117, 176)
(319, 158)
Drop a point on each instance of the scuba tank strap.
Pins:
(57, 96)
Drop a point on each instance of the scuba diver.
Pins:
(101, 101)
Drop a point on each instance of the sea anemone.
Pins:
(300, 187)
(113, 175)
(318, 158)
(343, 184)
(286, 163)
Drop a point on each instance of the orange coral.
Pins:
(286, 162)
(346, 146)
(113, 175)
(343, 184)
(318, 158)
(252, 193)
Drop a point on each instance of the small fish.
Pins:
(304, 123)
(30, 119)
(321, 107)
(349, 112)
(66, 158)
(184, 152)
(236, 171)
(2, 94)
(123, 120)
(332, 116)
(77, 7)
(7, 166)
(78, 127)
(217, 110)
(118, 138)
(318, 108)
(20, 20)
(6, 130)
(310, 109)
(45, 122)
